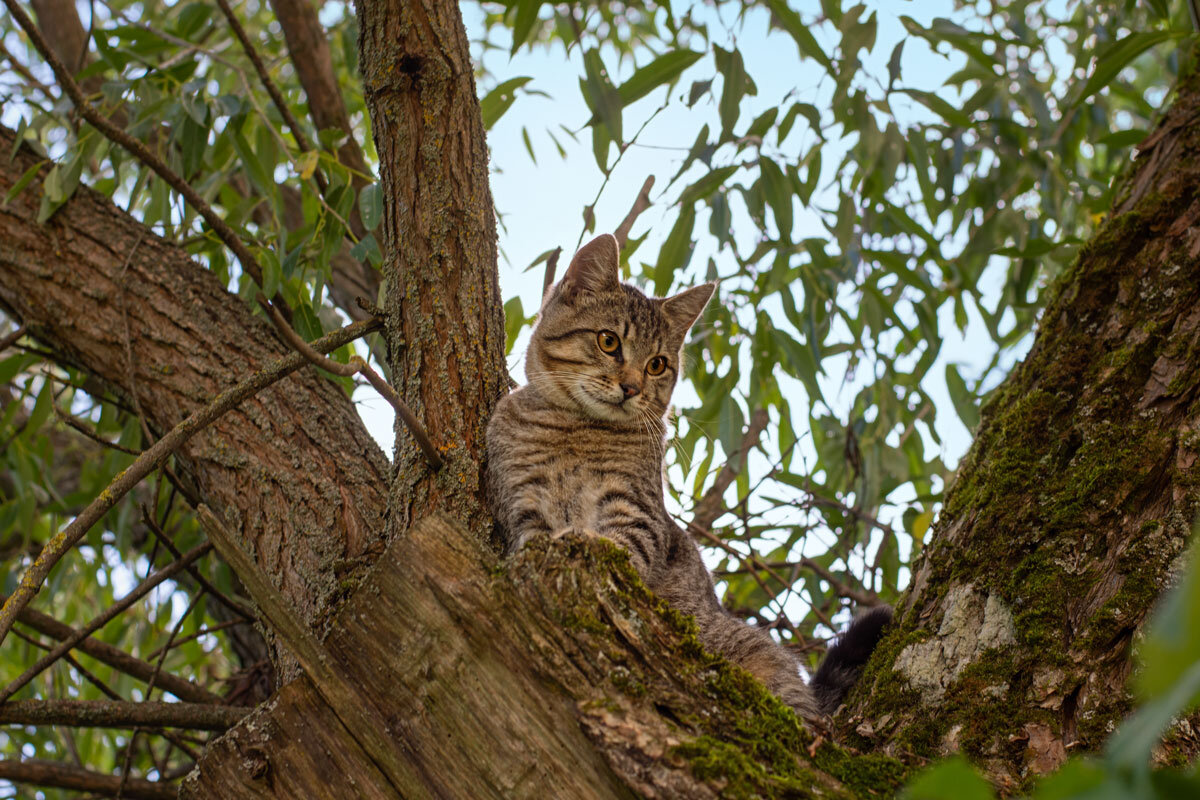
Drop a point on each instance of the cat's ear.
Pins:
(684, 308)
(595, 268)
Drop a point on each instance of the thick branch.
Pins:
(119, 714)
(438, 234)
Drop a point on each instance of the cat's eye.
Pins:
(656, 365)
(609, 342)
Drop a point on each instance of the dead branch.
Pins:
(311, 654)
(712, 504)
(12, 338)
(121, 714)
(640, 204)
(57, 547)
(61, 776)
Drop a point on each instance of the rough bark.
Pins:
(1070, 513)
(554, 675)
(445, 318)
(293, 466)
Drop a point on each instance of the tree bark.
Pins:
(1072, 510)
(445, 317)
(293, 466)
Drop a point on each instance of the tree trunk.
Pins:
(445, 317)
(1074, 506)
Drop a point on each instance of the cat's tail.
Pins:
(844, 661)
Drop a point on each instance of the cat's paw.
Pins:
(571, 532)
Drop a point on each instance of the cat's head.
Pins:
(604, 349)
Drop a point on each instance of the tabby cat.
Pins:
(581, 447)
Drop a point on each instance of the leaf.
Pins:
(676, 251)
(602, 98)
(25, 179)
(527, 17)
(806, 43)
(306, 164)
(499, 99)
(370, 205)
(1118, 55)
(894, 63)
(952, 779)
(736, 85)
(514, 321)
(963, 399)
(779, 196)
(707, 185)
(659, 72)
(939, 106)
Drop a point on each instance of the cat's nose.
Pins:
(629, 389)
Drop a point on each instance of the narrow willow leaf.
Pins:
(661, 71)
(790, 21)
(1118, 55)
(499, 99)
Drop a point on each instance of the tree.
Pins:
(430, 668)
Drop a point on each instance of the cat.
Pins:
(581, 447)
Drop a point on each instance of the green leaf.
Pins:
(953, 779)
(305, 321)
(806, 43)
(736, 85)
(779, 195)
(602, 98)
(1118, 55)
(527, 17)
(661, 71)
(514, 321)
(498, 100)
(939, 106)
(707, 185)
(963, 399)
(370, 205)
(18, 187)
(676, 251)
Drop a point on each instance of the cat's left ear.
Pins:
(684, 308)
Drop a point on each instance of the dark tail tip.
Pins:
(844, 661)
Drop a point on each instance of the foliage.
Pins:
(856, 224)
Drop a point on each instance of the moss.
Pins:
(736, 774)
(869, 775)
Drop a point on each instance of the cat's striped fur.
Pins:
(581, 447)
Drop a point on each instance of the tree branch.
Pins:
(61, 776)
(115, 657)
(357, 366)
(640, 204)
(712, 504)
(98, 622)
(121, 714)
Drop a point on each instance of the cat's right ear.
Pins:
(595, 268)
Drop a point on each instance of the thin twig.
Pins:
(121, 714)
(357, 366)
(12, 338)
(82, 427)
(114, 657)
(711, 505)
(241, 609)
(98, 622)
(57, 547)
(205, 631)
(135, 147)
(125, 767)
